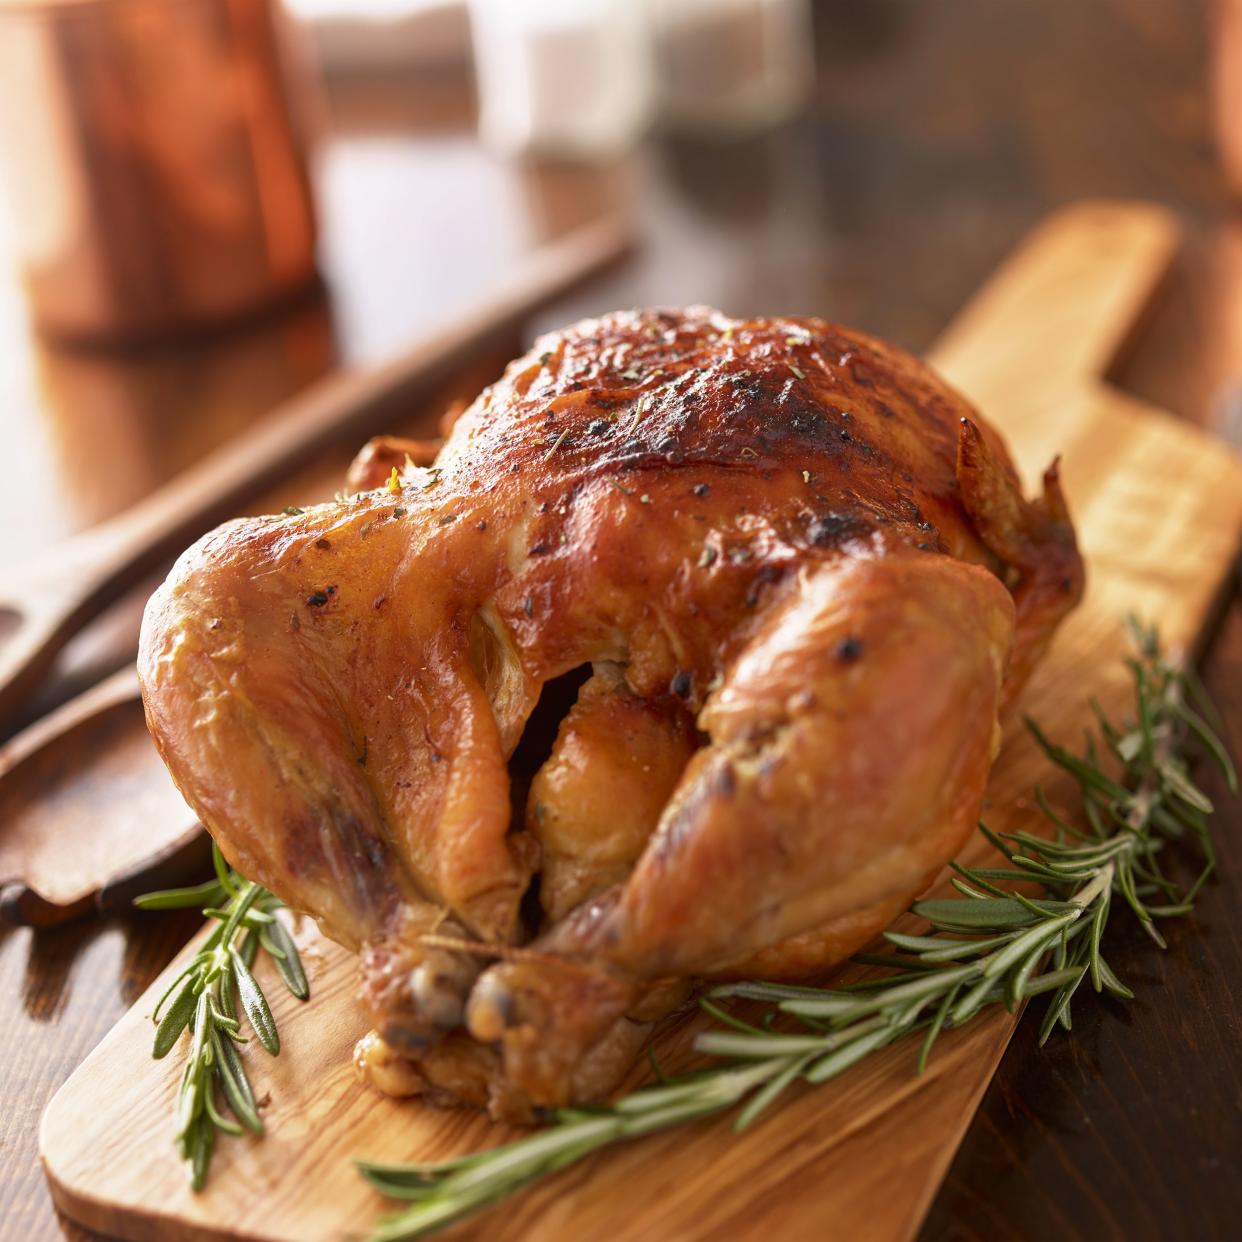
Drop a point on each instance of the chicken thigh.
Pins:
(794, 582)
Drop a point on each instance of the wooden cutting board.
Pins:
(1159, 509)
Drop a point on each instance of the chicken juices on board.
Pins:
(798, 583)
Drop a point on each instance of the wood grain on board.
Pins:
(1159, 511)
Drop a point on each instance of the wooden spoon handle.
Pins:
(90, 571)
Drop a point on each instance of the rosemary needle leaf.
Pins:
(176, 1018)
(1211, 743)
(769, 1093)
(236, 1086)
(223, 875)
(273, 950)
(937, 1024)
(250, 947)
(255, 1004)
(1177, 781)
(722, 1015)
(757, 1047)
(163, 1000)
(831, 1065)
(990, 914)
(765, 991)
(1112, 984)
(1059, 1008)
(288, 961)
(1098, 920)
(384, 1175)
(202, 1144)
(955, 950)
(220, 1122)
(918, 944)
(971, 1003)
(207, 894)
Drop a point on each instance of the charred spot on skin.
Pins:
(317, 599)
(540, 548)
(380, 601)
(765, 577)
(808, 422)
(701, 489)
(829, 529)
(707, 558)
(680, 684)
(849, 650)
(528, 606)
(480, 526)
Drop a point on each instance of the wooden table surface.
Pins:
(939, 134)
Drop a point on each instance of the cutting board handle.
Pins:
(1070, 295)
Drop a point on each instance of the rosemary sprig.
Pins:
(992, 945)
(204, 999)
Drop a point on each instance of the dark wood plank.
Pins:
(63, 990)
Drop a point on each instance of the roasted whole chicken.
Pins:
(684, 660)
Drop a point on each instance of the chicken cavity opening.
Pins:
(534, 748)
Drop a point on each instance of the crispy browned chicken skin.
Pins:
(803, 581)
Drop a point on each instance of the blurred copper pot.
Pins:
(1226, 39)
(154, 156)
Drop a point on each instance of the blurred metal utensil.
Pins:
(154, 156)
